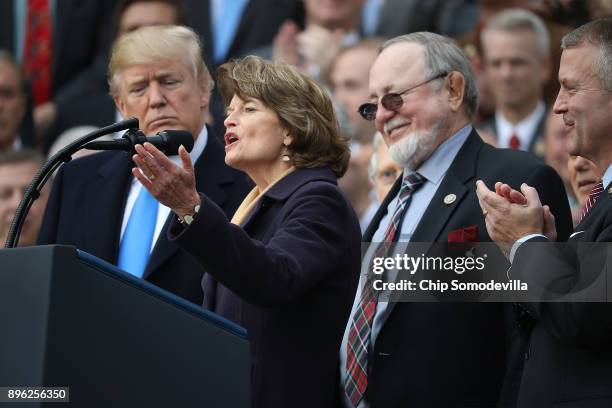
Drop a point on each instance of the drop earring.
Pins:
(285, 156)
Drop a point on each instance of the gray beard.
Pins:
(414, 149)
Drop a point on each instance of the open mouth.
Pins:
(230, 139)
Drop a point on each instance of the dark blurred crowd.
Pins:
(54, 58)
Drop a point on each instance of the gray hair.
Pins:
(378, 139)
(519, 19)
(443, 55)
(599, 34)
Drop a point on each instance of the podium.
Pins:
(69, 319)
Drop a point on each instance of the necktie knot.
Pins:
(412, 182)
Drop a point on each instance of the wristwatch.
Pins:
(188, 219)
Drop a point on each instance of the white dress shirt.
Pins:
(162, 210)
(433, 170)
(525, 130)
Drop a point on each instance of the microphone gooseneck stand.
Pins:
(63, 156)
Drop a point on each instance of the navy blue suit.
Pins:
(288, 276)
(569, 359)
(87, 203)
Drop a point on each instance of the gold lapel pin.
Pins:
(610, 190)
(449, 199)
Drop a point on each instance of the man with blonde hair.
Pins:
(157, 75)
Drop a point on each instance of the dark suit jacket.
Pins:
(457, 354)
(86, 208)
(450, 18)
(569, 360)
(289, 277)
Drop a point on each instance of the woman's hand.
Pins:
(171, 185)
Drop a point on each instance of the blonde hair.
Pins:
(151, 44)
(304, 108)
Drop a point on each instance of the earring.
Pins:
(285, 156)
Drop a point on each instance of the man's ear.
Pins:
(205, 93)
(456, 90)
(120, 105)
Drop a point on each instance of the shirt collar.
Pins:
(434, 168)
(607, 177)
(524, 129)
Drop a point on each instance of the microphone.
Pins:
(168, 141)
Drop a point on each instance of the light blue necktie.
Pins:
(138, 235)
(226, 19)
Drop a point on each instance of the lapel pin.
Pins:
(449, 199)
(610, 190)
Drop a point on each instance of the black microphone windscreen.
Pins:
(173, 139)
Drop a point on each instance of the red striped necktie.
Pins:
(358, 343)
(593, 196)
(37, 49)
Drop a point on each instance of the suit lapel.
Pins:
(461, 171)
(211, 174)
(438, 213)
(106, 210)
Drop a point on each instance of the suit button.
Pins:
(528, 353)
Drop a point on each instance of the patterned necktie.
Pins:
(361, 324)
(138, 235)
(37, 49)
(515, 142)
(593, 196)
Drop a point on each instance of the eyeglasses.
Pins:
(391, 101)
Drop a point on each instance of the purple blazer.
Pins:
(288, 276)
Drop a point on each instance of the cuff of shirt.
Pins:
(519, 242)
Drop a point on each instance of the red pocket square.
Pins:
(467, 234)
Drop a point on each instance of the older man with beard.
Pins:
(423, 96)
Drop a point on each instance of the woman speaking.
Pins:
(286, 266)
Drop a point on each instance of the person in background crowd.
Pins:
(13, 105)
(329, 27)
(583, 175)
(288, 261)
(60, 44)
(516, 50)
(17, 170)
(98, 108)
(556, 156)
(157, 75)
(349, 84)
(390, 18)
(383, 169)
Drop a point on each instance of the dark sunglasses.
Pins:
(391, 101)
